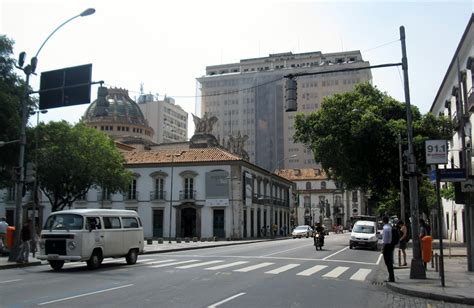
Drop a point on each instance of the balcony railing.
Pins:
(187, 195)
(158, 195)
(131, 196)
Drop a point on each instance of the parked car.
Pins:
(364, 233)
(302, 231)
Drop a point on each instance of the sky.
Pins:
(166, 45)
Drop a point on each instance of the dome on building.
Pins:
(118, 116)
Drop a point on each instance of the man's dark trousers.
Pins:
(388, 259)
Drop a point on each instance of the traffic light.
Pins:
(101, 108)
(30, 172)
(291, 95)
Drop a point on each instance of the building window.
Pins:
(308, 185)
(159, 193)
(189, 188)
(132, 190)
(323, 185)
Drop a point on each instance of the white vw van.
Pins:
(91, 235)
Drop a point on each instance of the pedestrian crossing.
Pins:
(270, 268)
(329, 271)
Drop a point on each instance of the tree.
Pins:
(11, 90)
(73, 159)
(355, 137)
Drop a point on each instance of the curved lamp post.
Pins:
(28, 70)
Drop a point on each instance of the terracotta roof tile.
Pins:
(303, 174)
(188, 155)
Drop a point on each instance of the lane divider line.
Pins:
(225, 300)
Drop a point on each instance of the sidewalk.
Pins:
(151, 248)
(459, 283)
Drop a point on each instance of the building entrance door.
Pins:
(219, 223)
(157, 223)
(188, 222)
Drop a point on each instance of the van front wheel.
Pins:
(56, 265)
(95, 260)
(132, 256)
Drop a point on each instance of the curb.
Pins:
(430, 295)
(16, 265)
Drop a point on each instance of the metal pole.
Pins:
(417, 270)
(440, 229)
(402, 194)
(20, 180)
(171, 198)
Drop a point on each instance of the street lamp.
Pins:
(28, 70)
(171, 192)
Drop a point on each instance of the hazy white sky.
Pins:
(167, 44)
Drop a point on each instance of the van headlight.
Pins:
(71, 245)
(353, 237)
(373, 238)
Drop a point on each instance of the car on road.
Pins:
(364, 233)
(302, 231)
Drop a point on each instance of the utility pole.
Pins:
(402, 193)
(417, 269)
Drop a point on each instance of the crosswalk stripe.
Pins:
(310, 271)
(144, 260)
(282, 269)
(336, 272)
(218, 267)
(161, 261)
(173, 263)
(361, 274)
(253, 267)
(199, 264)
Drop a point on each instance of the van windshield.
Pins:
(363, 229)
(64, 222)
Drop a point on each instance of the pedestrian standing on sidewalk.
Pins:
(403, 240)
(387, 249)
(25, 242)
(3, 233)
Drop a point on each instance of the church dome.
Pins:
(118, 116)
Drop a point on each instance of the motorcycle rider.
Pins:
(319, 230)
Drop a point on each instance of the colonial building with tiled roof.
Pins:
(320, 199)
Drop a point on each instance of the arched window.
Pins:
(308, 185)
(323, 185)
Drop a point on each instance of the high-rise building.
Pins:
(248, 98)
(168, 120)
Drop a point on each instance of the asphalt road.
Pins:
(285, 273)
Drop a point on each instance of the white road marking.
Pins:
(225, 300)
(335, 253)
(380, 258)
(174, 263)
(361, 274)
(13, 280)
(82, 295)
(218, 267)
(161, 261)
(312, 270)
(199, 264)
(253, 267)
(336, 272)
(274, 253)
(282, 269)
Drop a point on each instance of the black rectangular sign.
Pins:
(65, 87)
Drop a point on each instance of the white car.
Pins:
(302, 231)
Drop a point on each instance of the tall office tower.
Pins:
(168, 120)
(248, 98)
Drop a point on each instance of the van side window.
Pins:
(129, 222)
(112, 223)
(93, 223)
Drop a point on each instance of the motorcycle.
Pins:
(318, 241)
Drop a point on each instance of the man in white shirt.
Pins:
(387, 249)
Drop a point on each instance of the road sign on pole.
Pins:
(436, 152)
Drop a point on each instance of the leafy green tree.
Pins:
(73, 159)
(355, 138)
(11, 90)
